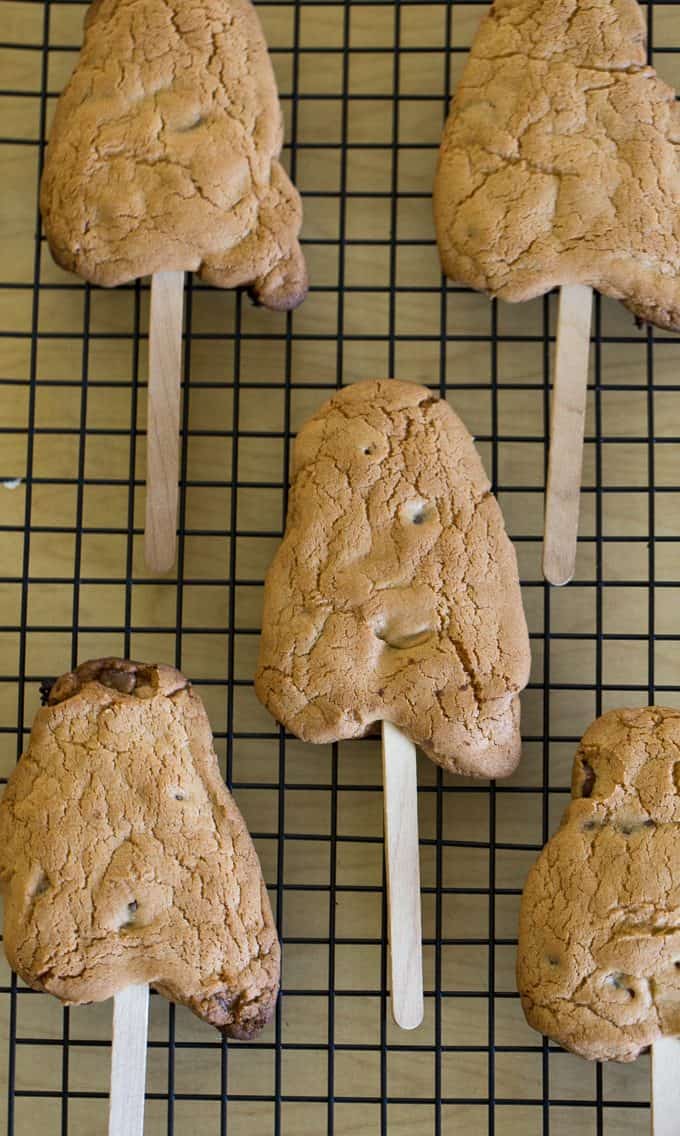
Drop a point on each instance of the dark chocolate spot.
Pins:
(123, 681)
(588, 783)
(628, 827)
(45, 688)
(620, 982)
(118, 674)
(225, 1002)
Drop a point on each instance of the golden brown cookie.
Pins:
(164, 152)
(598, 964)
(559, 160)
(394, 594)
(124, 859)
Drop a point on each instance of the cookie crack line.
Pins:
(129, 189)
(394, 595)
(123, 857)
(598, 962)
(546, 177)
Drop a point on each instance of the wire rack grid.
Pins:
(364, 88)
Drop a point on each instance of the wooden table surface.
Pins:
(366, 123)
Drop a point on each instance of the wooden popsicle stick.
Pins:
(128, 1061)
(162, 437)
(402, 856)
(567, 420)
(665, 1086)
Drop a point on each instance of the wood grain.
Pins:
(665, 1087)
(128, 1061)
(567, 422)
(402, 858)
(162, 462)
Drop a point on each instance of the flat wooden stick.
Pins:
(665, 1078)
(402, 855)
(567, 420)
(128, 1061)
(162, 435)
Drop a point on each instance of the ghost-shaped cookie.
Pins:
(124, 859)
(394, 594)
(163, 154)
(559, 162)
(598, 965)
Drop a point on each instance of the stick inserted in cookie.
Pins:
(567, 419)
(665, 1086)
(402, 858)
(123, 192)
(162, 432)
(128, 1061)
(394, 598)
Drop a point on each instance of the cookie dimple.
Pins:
(629, 826)
(623, 982)
(419, 512)
(128, 919)
(391, 635)
(41, 884)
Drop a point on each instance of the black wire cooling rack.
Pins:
(364, 88)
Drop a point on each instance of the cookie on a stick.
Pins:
(598, 963)
(125, 862)
(163, 159)
(559, 167)
(394, 598)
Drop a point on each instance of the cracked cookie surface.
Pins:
(394, 594)
(559, 162)
(124, 859)
(598, 963)
(164, 152)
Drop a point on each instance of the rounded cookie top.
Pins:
(123, 857)
(394, 594)
(559, 159)
(164, 152)
(598, 964)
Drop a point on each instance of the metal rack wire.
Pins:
(364, 87)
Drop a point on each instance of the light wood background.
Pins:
(70, 370)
